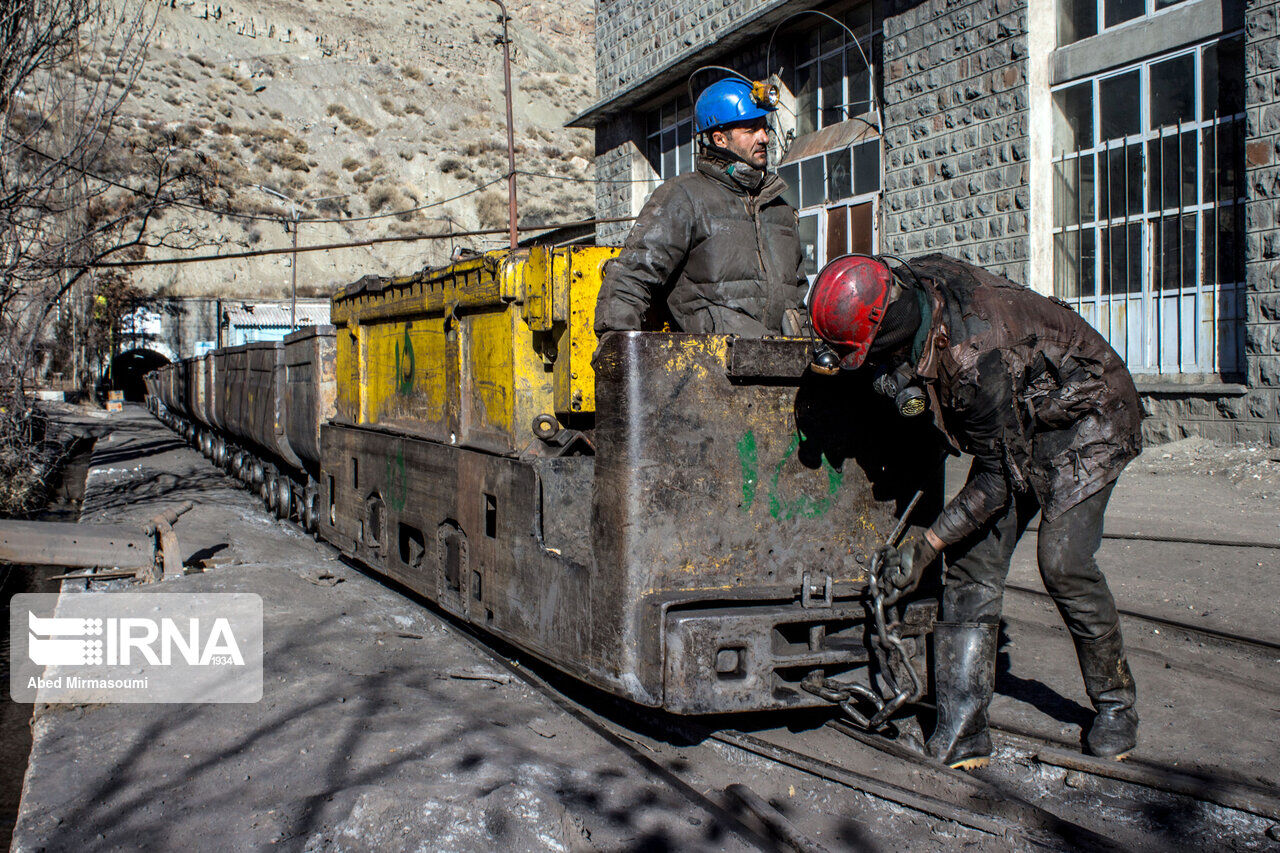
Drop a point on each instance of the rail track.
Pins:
(949, 795)
(885, 770)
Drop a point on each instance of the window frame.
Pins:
(1202, 336)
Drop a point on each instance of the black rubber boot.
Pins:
(964, 672)
(1107, 680)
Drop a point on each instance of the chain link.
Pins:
(891, 651)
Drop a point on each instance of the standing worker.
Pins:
(718, 243)
(1051, 416)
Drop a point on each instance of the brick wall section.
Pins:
(956, 146)
(1261, 413)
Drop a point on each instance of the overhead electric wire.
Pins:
(258, 217)
(324, 247)
(586, 180)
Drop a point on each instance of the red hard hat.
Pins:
(847, 305)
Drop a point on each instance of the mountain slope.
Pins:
(379, 107)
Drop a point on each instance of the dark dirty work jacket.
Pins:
(1028, 387)
(720, 244)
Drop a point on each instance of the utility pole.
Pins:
(511, 138)
(297, 217)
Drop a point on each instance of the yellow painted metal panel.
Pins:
(471, 353)
(405, 382)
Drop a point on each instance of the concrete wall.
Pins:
(956, 139)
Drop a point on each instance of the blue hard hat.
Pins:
(726, 101)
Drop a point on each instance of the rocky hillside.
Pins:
(355, 108)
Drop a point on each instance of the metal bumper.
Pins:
(753, 657)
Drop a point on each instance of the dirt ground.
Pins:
(380, 728)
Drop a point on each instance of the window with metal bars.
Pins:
(1149, 207)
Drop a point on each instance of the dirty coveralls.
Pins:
(1051, 416)
(720, 245)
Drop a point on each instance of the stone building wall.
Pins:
(634, 38)
(1261, 409)
(616, 190)
(956, 144)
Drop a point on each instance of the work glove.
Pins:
(902, 568)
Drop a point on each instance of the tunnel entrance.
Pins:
(128, 368)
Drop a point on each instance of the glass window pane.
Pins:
(1165, 4)
(653, 153)
(832, 37)
(1088, 188)
(1229, 251)
(839, 174)
(1165, 235)
(791, 174)
(1119, 11)
(1173, 91)
(1073, 118)
(1110, 272)
(1190, 168)
(1119, 106)
(653, 121)
(859, 83)
(685, 136)
(866, 167)
(1133, 178)
(833, 90)
(1209, 260)
(669, 153)
(1133, 246)
(808, 230)
(1077, 19)
(684, 109)
(1189, 248)
(858, 19)
(1121, 181)
(811, 182)
(1122, 259)
(1229, 161)
(1065, 184)
(1223, 78)
(806, 99)
(1088, 254)
(1066, 261)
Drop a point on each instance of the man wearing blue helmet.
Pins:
(718, 243)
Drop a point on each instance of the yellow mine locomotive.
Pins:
(685, 521)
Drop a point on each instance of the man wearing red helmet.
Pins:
(718, 244)
(1051, 416)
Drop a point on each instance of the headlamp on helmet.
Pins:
(766, 94)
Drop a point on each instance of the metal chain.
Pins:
(890, 649)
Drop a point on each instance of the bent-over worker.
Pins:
(719, 244)
(1051, 416)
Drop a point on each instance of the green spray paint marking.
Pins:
(750, 468)
(803, 506)
(397, 488)
(404, 378)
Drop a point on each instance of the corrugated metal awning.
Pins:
(276, 315)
